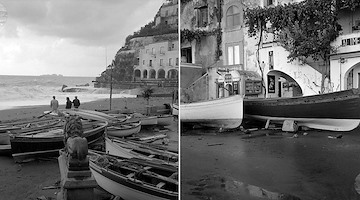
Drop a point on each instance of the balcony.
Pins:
(347, 43)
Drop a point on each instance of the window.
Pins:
(143, 62)
(186, 55)
(271, 60)
(162, 50)
(202, 16)
(153, 51)
(233, 55)
(269, 2)
(232, 17)
(150, 63)
(161, 62)
(177, 61)
(170, 61)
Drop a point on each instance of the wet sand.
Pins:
(27, 180)
(228, 166)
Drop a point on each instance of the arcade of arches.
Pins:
(160, 74)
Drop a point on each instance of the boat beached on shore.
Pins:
(337, 111)
(47, 142)
(123, 129)
(133, 149)
(224, 112)
(134, 179)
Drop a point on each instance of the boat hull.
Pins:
(220, 113)
(125, 188)
(165, 120)
(175, 109)
(129, 149)
(338, 111)
(123, 130)
(23, 147)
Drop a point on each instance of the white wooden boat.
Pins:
(132, 149)
(4, 138)
(220, 113)
(145, 120)
(175, 109)
(123, 129)
(165, 120)
(134, 179)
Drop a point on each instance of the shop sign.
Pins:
(228, 78)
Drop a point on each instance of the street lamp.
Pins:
(111, 68)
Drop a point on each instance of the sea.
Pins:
(19, 91)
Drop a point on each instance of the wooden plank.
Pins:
(160, 185)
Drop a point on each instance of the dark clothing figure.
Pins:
(76, 102)
(68, 103)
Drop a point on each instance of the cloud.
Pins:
(85, 22)
(68, 37)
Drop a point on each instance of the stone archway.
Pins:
(145, 74)
(352, 77)
(161, 74)
(172, 74)
(284, 85)
(152, 74)
(137, 73)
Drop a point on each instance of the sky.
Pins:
(67, 37)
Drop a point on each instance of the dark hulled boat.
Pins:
(47, 142)
(337, 111)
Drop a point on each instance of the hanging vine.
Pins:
(198, 34)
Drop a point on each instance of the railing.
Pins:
(347, 43)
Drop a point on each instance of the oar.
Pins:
(46, 113)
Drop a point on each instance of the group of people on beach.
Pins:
(54, 104)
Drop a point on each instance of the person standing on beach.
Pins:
(54, 105)
(76, 102)
(68, 103)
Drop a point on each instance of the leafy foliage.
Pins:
(146, 93)
(305, 29)
(198, 34)
(151, 30)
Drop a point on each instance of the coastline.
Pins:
(134, 104)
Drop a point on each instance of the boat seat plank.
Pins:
(130, 175)
(160, 185)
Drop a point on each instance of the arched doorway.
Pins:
(161, 73)
(280, 84)
(137, 73)
(228, 90)
(172, 74)
(145, 73)
(352, 77)
(152, 74)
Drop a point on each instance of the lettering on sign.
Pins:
(228, 78)
(350, 41)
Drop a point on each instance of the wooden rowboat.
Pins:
(123, 129)
(132, 149)
(134, 179)
(337, 111)
(48, 142)
(165, 120)
(175, 109)
(219, 113)
(145, 120)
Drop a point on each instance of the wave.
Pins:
(28, 91)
